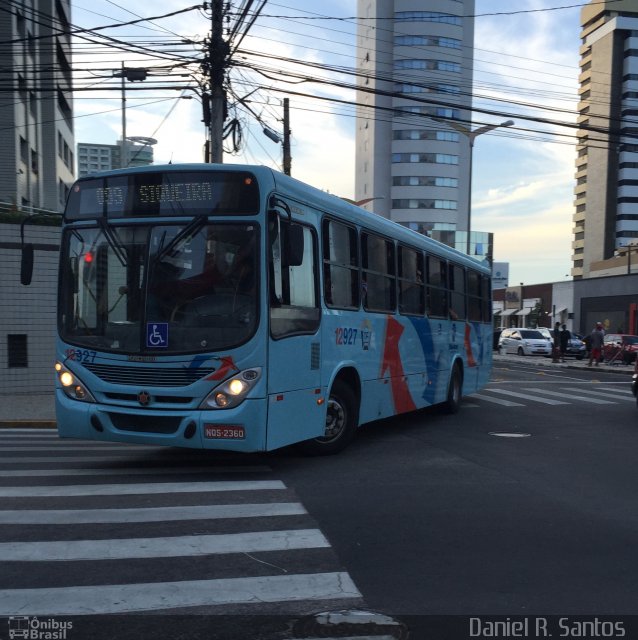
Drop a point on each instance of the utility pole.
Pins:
(217, 58)
(286, 141)
(124, 148)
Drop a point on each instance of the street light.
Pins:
(132, 74)
(471, 136)
(628, 247)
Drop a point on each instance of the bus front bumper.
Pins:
(240, 429)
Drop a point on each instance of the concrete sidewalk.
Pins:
(35, 410)
(570, 363)
(38, 410)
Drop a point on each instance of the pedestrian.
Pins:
(597, 336)
(556, 342)
(564, 338)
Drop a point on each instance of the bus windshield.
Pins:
(166, 288)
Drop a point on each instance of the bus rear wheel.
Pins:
(455, 391)
(341, 422)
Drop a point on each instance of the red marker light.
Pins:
(88, 257)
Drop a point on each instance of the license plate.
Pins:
(224, 432)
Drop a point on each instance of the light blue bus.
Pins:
(233, 307)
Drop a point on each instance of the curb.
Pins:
(540, 361)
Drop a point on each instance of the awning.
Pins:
(560, 310)
(496, 312)
(508, 312)
(524, 312)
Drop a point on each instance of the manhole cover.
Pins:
(509, 434)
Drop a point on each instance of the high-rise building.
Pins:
(104, 157)
(414, 111)
(606, 192)
(36, 108)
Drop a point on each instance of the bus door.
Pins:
(296, 411)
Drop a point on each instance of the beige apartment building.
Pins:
(606, 192)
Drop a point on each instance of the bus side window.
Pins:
(457, 292)
(437, 293)
(411, 292)
(378, 273)
(294, 301)
(479, 297)
(340, 265)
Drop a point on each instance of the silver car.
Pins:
(524, 342)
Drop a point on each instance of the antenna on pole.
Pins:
(286, 141)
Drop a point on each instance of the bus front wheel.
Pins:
(341, 422)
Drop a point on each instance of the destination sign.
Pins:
(169, 193)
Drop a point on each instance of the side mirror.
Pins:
(26, 264)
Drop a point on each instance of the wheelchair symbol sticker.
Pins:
(157, 334)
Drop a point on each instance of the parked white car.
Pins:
(524, 342)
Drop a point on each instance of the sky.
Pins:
(525, 64)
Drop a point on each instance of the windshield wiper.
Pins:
(114, 241)
(187, 232)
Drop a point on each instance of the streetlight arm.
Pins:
(488, 127)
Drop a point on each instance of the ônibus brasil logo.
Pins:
(33, 628)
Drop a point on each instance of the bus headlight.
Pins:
(233, 391)
(72, 386)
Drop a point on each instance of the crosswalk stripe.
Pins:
(242, 521)
(127, 471)
(571, 397)
(150, 514)
(6, 460)
(139, 489)
(171, 547)
(504, 403)
(525, 396)
(120, 598)
(80, 448)
(622, 391)
(598, 394)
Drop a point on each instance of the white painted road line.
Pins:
(173, 547)
(126, 471)
(503, 403)
(559, 394)
(151, 514)
(72, 457)
(120, 598)
(78, 448)
(614, 395)
(525, 396)
(139, 489)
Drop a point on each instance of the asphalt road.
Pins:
(523, 504)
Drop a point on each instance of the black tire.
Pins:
(521, 351)
(454, 391)
(342, 418)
